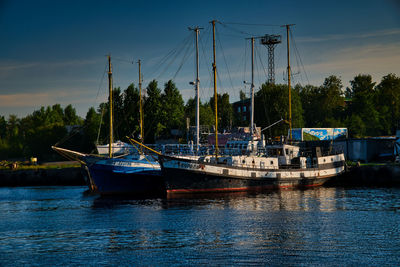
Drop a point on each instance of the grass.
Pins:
(352, 163)
(21, 166)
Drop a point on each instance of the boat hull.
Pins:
(124, 177)
(203, 178)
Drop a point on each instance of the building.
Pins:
(242, 110)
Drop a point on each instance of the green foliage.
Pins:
(153, 126)
(172, 110)
(90, 130)
(387, 102)
(205, 113)
(323, 106)
(242, 95)
(36, 133)
(363, 104)
(369, 110)
(70, 117)
(225, 111)
(272, 103)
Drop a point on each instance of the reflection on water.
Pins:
(322, 226)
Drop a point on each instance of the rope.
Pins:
(184, 58)
(226, 65)
(252, 24)
(298, 55)
(262, 65)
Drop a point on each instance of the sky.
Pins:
(55, 51)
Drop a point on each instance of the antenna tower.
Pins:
(271, 41)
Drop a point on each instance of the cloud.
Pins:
(8, 68)
(377, 60)
(23, 100)
(45, 98)
(337, 37)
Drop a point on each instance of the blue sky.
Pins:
(54, 51)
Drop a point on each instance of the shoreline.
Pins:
(61, 175)
(71, 173)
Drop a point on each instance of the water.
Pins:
(324, 226)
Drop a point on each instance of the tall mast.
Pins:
(289, 75)
(140, 104)
(197, 84)
(111, 106)
(252, 88)
(215, 92)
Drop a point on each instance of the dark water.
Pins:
(325, 226)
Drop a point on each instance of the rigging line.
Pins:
(169, 55)
(256, 67)
(231, 35)
(187, 54)
(251, 24)
(297, 51)
(101, 82)
(245, 64)
(226, 64)
(162, 61)
(69, 136)
(187, 39)
(122, 60)
(236, 30)
(101, 122)
(262, 65)
(265, 111)
(204, 53)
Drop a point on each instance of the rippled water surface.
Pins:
(325, 226)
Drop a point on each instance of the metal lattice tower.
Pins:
(271, 41)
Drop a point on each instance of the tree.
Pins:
(225, 111)
(153, 125)
(91, 128)
(205, 113)
(363, 106)
(387, 102)
(242, 95)
(70, 117)
(3, 127)
(130, 109)
(272, 103)
(172, 110)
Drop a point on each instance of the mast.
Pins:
(140, 104)
(111, 106)
(252, 88)
(289, 74)
(214, 66)
(197, 84)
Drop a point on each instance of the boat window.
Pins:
(243, 161)
(272, 163)
(262, 164)
(287, 151)
(332, 159)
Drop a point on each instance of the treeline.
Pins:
(365, 108)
